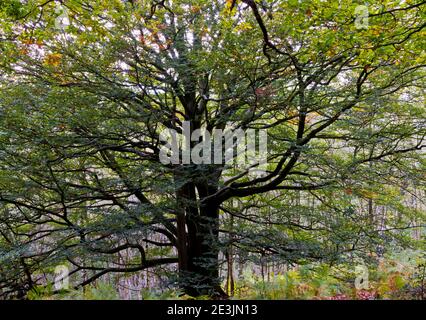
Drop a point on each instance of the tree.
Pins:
(83, 105)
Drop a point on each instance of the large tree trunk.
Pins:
(198, 240)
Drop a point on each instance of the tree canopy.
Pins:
(87, 87)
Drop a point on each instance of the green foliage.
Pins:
(397, 276)
(83, 106)
(99, 291)
(102, 291)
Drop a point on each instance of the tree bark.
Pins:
(198, 240)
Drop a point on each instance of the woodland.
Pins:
(88, 210)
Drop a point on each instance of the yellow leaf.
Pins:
(53, 59)
(369, 194)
